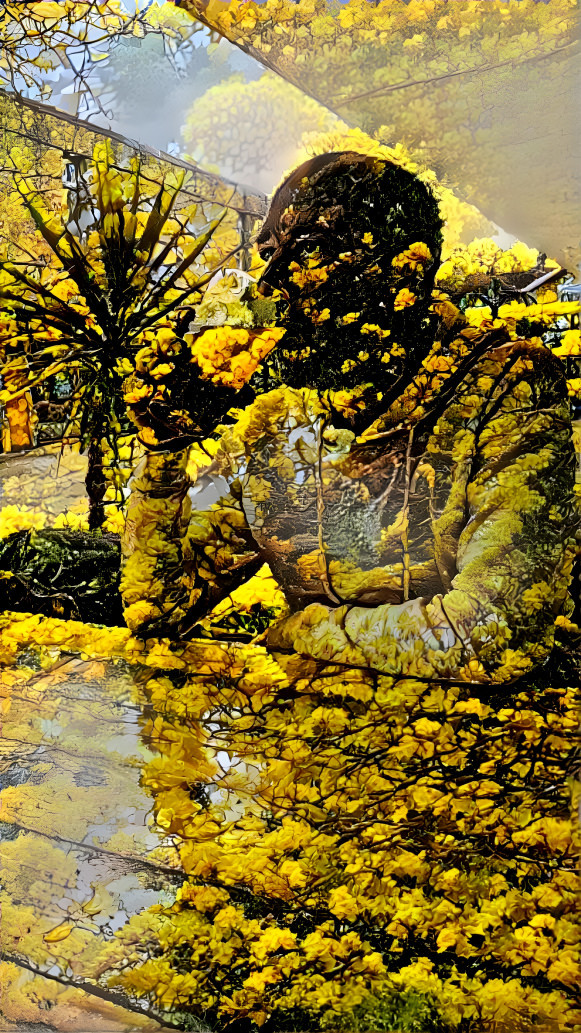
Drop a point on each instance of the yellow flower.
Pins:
(162, 370)
(76, 518)
(137, 613)
(137, 393)
(416, 42)
(229, 355)
(20, 518)
(367, 238)
(446, 271)
(321, 317)
(518, 258)
(115, 520)
(417, 255)
(373, 328)
(570, 344)
(308, 277)
(348, 365)
(564, 622)
(64, 290)
(346, 402)
(272, 940)
(342, 904)
(123, 367)
(351, 317)
(403, 299)
(478, 314)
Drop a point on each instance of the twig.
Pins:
(111, 996)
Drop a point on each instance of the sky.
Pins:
(146, 96)
(144, 93)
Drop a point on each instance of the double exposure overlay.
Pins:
(289, 517)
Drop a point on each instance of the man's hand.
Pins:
(317, 631)
(162, 428)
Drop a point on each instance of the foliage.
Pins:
(37, 36)
(369, 796)
(455, 874)
(251, 130)
(485, 256)
(74, 36)
(474, 90)
(108, 297)
(355, 862)
(371, 799)
(63, 572)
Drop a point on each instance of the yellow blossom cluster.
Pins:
(20, 518)
(484, 256)
(155, 350)
(19, 420)
(570, 345)
(343, 834)
(229, 355)
(310, 275)
(373, 328)
(19, 631)
(545, 313)
(416, 256)
(403, 299)
(76, 518)
(296, 815)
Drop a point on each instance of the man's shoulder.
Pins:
(270, 417)
(503, 386)
(275, 411)
(521, 359)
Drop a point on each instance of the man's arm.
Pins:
(514, 552)
(177, 565)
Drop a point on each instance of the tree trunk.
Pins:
(95, 481)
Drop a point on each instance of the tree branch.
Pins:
(161, 869)
(111, 996)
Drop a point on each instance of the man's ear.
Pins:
(287, 220)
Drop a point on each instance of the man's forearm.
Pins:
(152, 582)
(449, 638)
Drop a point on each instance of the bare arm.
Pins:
(178, 564)
(513, 558)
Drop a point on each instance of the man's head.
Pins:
(353, 244)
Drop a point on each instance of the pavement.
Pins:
(75, 826)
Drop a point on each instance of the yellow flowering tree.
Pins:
(252, 130)
(113, 301)
(371, 810)
(74, 35)
(371, 798)
(475, 90)
(357, 851)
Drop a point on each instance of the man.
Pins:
(374, 791)
(409, 483)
